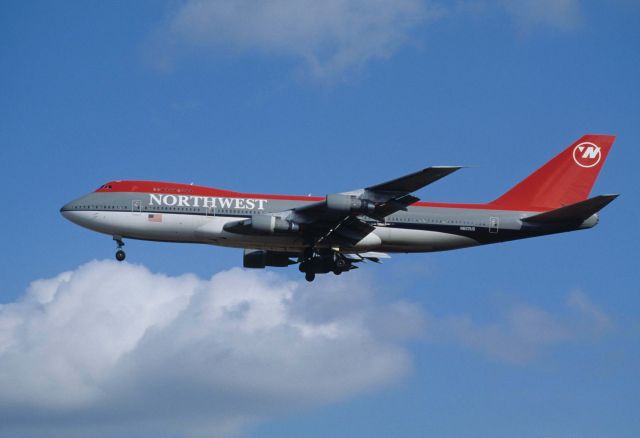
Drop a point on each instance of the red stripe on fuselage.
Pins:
(193, 190)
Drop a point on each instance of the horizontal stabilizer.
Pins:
(578, 212)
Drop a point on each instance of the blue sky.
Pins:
(531, 338)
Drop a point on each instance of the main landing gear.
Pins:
(322, 261)
(120, 254)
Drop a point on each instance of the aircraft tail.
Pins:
(566, 179)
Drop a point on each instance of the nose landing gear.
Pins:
(120, 254)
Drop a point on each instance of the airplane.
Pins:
(335, 232)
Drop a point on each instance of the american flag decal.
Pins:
(155, 217)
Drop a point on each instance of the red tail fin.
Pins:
(566, 179)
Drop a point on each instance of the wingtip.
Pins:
(449, 169)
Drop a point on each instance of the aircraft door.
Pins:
(210, 211)
(136, 206)
(494, 224)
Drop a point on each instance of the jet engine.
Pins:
(266, 224)
(255, 258)
(349, 204)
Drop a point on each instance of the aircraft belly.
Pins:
(410, 240)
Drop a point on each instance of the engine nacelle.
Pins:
(255, 258)
(266, 224)
(349, 204)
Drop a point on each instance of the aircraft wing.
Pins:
(342, 217)
(377, 201)
(414, 181)
(371, 256)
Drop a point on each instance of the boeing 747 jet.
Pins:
(335, 232)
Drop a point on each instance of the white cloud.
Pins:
(109, 348)
(527, 14)
(598, 321)
(114, 347)
(330, 36)
(523, 331)
(561, 14)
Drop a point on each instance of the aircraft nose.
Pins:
(65, 210)
(67, 207)
(68, 210)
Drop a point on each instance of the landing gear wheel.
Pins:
(120, 255)
(309, 276)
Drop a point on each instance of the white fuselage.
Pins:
(194, 228)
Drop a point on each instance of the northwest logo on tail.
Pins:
(587, 154)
